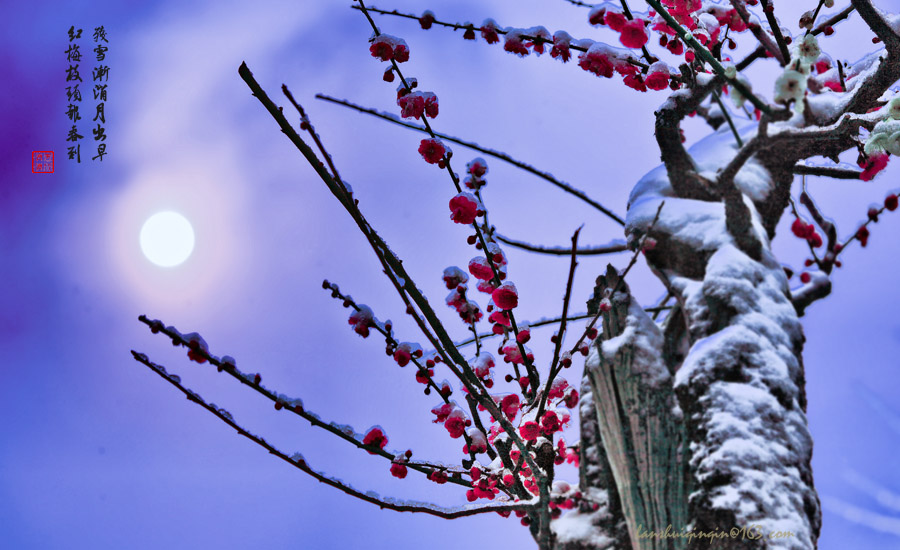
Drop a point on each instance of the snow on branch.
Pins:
(618, 245)
(198, 352)
(871, 85)
(487, 151)
(300, 463)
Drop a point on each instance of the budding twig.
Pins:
(560, 335)
(300, 463)
(562, 251)
(776, 30)
(285, 403)
(466, 375)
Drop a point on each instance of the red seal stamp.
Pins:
(42, 162)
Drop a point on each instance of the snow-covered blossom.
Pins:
(426, 19)
(417, 104)
(496, 254)
(615, 20)
(470, 313)
(524, 334)
(550, 423)
(480, 269)
(512, 353)
(362, 319)
(894, 109)
(478, 441)
(386, 47)
(454, 276)
(482, 364)
(438, 476)
(196, 347)
(807, 49)
(398, 470)
(477, 167)
(542, 36)
(790, 86)
(885, 137)
(442, 411)
(530, 430)
(489, 31)
(464, 208)
(561, 43)
(375, 437)
(510, 405)
(891, 202)
(457, 297)
(382, 48)
(506, 296)
(557, 388)
(401, 53)
(658, 76)
(432, 150)
(597, 60)
(633, 34)
(405, 352)
(513, 42)
(501, 318)
(456, 423)
(872, 165)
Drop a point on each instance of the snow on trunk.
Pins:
(741, 382)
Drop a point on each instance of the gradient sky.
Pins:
(98, 452)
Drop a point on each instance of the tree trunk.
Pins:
(702, 421)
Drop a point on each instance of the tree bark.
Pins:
(703, 420)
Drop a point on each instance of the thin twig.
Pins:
(299, 462)
(561, 333)
(827, 172)
(776, 30)
(562, 251)
(727, 115)
(285, 403)
(475, 147)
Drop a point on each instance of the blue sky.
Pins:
(97, 452)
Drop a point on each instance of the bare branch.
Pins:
(827, 172)
(300, 463)
(294, 405)
(560, 335)
(776, 31)
(818, 287)
(611, 248)
(761, 35)
(867, 93)
(475, 147)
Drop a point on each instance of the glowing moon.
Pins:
(167, 239)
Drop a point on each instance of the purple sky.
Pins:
(98, 452)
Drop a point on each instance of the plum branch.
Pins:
(300, 463)
(546, 176)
